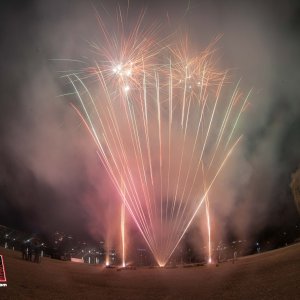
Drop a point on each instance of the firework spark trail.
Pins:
(138, 209)
(177, 228)
(146, 131)
(207, 221)
(189, 221)
(92, 131)
(103, 158)
(238, 117)
(208, 228)
(160, 151)
(123, 233)
(179, 220)
(223, 126)
(140, 161)
(155, 125)
(123, 157)
(189, 169)
(169, 134)
(184, 139)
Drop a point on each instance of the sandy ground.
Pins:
(270, 275)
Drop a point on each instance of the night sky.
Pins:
(50, 177)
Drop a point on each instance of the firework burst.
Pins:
(162, 127)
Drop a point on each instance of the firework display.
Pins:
(164, 121)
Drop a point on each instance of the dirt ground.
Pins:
(270, 275)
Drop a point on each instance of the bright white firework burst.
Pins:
(162, 127)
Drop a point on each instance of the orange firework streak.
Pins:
(208, 228)
(123, 234)
(158, 117)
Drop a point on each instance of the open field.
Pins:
(270, 275)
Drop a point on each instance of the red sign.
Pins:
(2, 270)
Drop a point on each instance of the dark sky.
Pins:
(50, 177)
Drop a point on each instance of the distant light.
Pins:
(117, 69)
(126, 88)
(128, 73)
